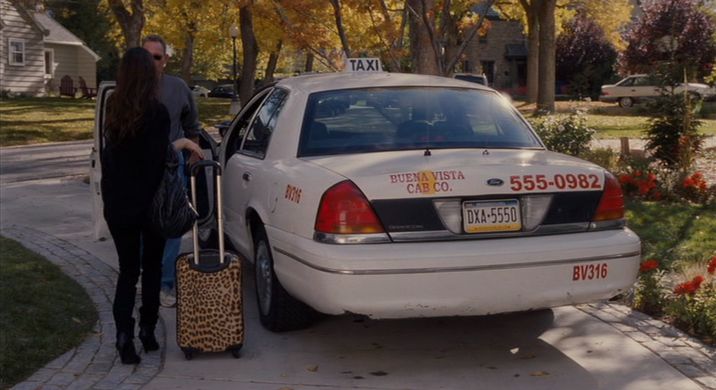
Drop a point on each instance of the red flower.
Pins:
(712, 266)
(689, 287)
(649, 265)
(625, 179)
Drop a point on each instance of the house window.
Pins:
(16, 52)
(49, 63)
(488, 68)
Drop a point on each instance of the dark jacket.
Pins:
(133, 168)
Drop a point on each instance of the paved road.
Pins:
(47, 161)
(563, 348)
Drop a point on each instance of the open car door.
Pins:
(205, 194)
(100, 230)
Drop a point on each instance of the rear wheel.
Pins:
(278, 310)
(626, 102)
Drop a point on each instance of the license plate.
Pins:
(491, 216)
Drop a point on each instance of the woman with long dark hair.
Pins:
(133, 160)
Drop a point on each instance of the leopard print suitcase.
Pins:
(209, 304)
(210, 316)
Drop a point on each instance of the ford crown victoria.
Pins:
(398, 195)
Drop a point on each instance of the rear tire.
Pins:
(626, 102)
(278, 310)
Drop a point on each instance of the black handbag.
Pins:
(171, 213)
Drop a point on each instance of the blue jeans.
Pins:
(173, 245)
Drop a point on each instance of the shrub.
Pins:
(605, 158)
(648, 296)
(642, 184)
(585, 58)
(692, 304)
(567, 134)
(695, 189)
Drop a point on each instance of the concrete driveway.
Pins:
(598, 346)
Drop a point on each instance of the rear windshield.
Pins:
(389, 119)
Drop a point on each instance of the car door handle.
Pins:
(246, 176)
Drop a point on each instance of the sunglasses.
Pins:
(158, 57)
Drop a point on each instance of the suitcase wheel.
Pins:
(188, 354)
(236, 353)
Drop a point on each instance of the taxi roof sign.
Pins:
(363, 65)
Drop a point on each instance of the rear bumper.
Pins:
(456, 278)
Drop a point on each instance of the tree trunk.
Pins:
(422, 52)
(339, 25)
(131, 24)
(547, 61)
(187, 60)
(309, 62)
(273, 62)
(532, 48)
(251, 52)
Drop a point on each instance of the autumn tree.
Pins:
(197, 31)
(438, 39)
(675, 31)
(585, 57)
(250, 50)
(610, 15)
(131, 20)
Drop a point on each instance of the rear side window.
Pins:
(404, 118)
(259, 134)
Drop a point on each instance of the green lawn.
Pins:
(43, 312)
(609, 126)
(674, 232)
(35, 120)
(612, 121)
(26, 121)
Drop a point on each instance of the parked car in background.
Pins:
(472, 77)
(200, 91)
(641, 87)
(223, 91)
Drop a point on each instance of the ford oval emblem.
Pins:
(495, 182)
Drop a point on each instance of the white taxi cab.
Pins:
(400, 195)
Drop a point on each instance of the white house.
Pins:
(36, 52)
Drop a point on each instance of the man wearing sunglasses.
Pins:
(177, 97)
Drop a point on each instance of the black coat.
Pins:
(133, 168)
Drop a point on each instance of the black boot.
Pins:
(146, 336)
(125, 347)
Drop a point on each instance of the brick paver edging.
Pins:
(691, 357)
(94, 364)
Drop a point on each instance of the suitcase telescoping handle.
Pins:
(216, 167)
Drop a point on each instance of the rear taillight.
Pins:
(345, 210)
(611, 206)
